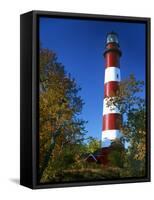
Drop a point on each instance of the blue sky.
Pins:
(79, 45)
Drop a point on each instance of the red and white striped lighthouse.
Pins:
(111, 115)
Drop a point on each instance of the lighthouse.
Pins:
(112, 117)
(111, 114)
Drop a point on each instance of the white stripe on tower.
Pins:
(111, 134)
(109, 108)
(112, 74)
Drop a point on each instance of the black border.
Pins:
(34, 30)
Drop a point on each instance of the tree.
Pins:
(93, 144)
(131, 103)
(116, 156)
(60, 105)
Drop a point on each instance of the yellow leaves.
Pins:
(141, 149)
(59, 105)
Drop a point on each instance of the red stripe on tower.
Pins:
(112, 59)
(111, 121)
(111, 116)
(111, 88)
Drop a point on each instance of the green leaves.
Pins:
(92, 145)
(61, 131)
(131, 103)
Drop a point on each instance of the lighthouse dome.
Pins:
(112, 37)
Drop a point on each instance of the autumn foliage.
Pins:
(62, 140)
(61, 130)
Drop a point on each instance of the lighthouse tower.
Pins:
(111, 115)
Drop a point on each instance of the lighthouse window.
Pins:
(117, 76)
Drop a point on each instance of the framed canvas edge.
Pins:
(26, 99)
(35, 16)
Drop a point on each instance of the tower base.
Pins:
(112, 155)
(103, 158)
